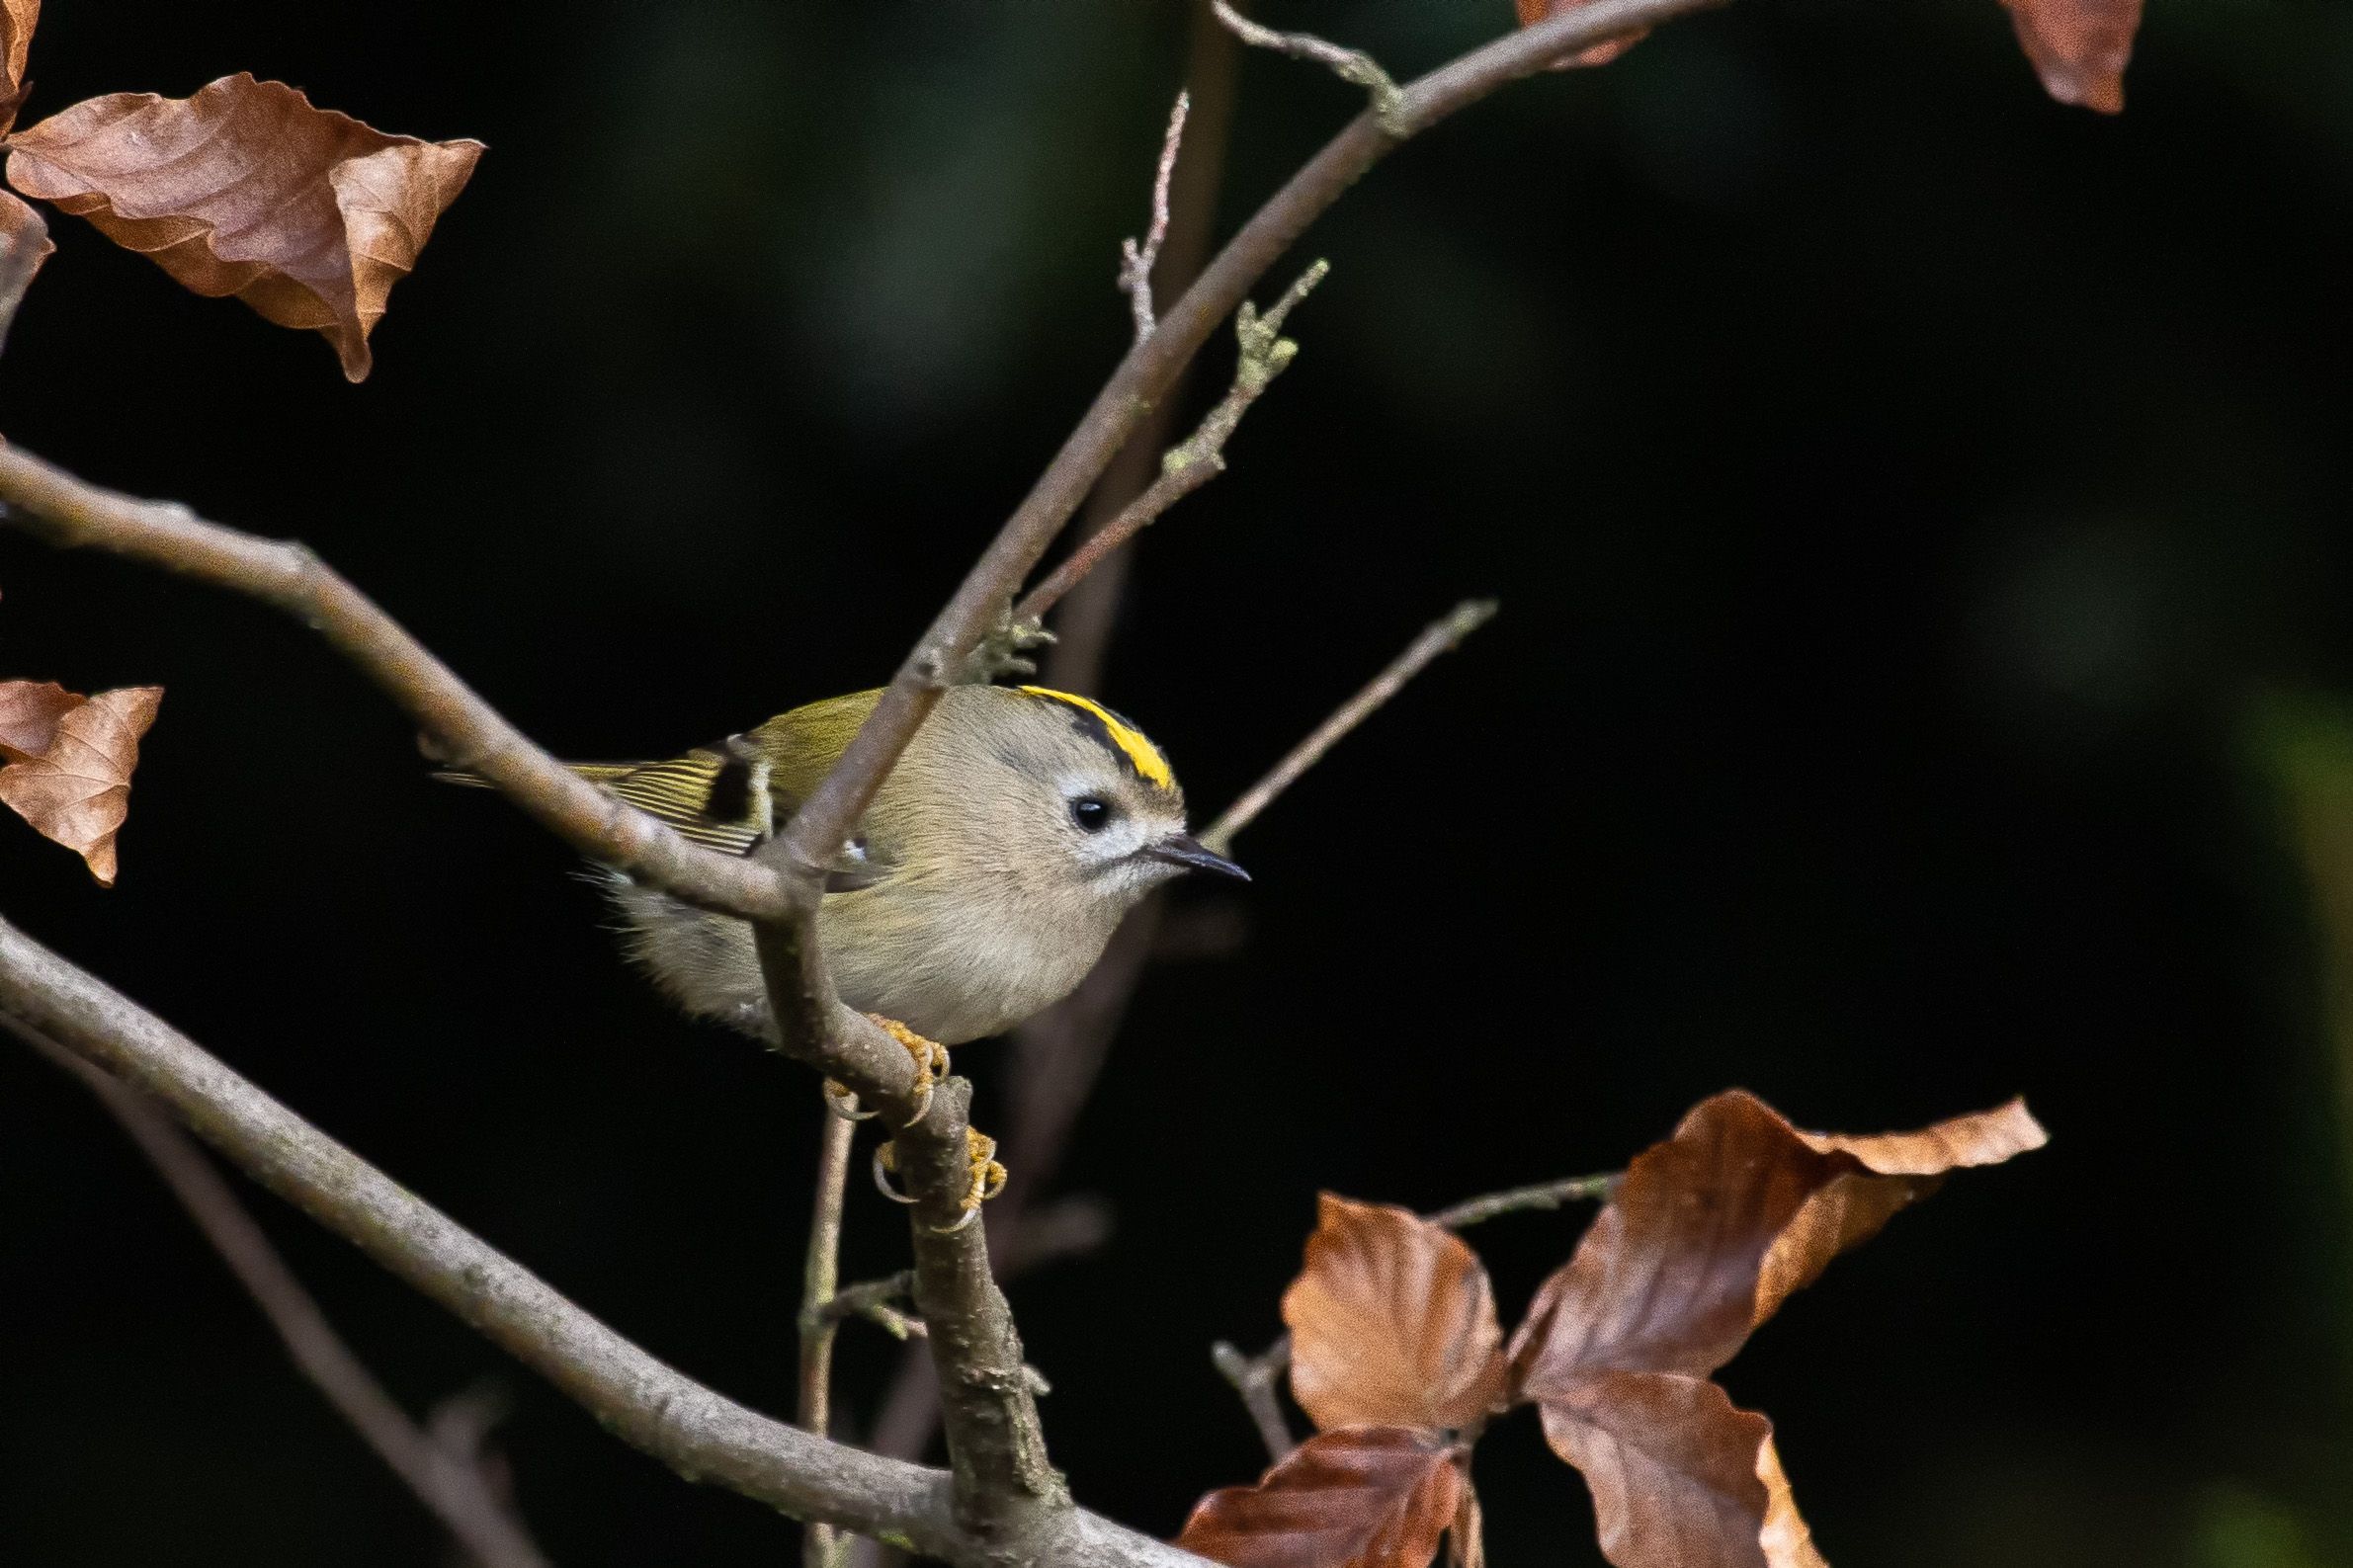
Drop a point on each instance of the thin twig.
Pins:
(820, 1273)
(1441, 636)
(1136, 262)
(1194, 461)
(1083, 621)
(1523, 1199)
(1352, 66)
(1256, 1378)
(871, 1299)
(446, 1477)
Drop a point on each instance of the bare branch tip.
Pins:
(1136, 262)
(1352, 66)
(1467, 617)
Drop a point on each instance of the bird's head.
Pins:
(1067, 796)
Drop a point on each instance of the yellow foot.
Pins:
(931, 1065)
(931, 1061)
(987, 1175)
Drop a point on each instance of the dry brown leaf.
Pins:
(18, 18)
(1705, 1238)
(2079, 47)
(29, 714)
(1535, 11)
(77, 790)
(244, 188)
(1361, 1497)
(1712, 1230)
(1680, 1477)
(1392, 1323)
(24, 246)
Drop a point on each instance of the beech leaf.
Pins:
(1712, 1230)
(76, 789)
(2079, 47)
(245, 189)
(24, 245)
(1680, 1477)
(16, 21)
(1361, 1497)
(1392, 1323)
(1535, 11)
(1706, 1236)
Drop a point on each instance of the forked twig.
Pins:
(1138, 261)
(1194, 461)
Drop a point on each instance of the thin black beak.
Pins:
(1183, 849)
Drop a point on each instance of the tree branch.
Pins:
(1194, 461)
(778, 889)
(448, 1480)
(690, 1428)
(1147, 373)
(1441, 636)
(465, 731)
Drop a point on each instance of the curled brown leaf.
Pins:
(245, 189)
(1712, 1230)
(2079, 47)
(1680, 1477)
(1705, 1238)
(1392, 1323)
(1535, 11)
(24, 246)
(1361, 1497)
(18, 18)
(76, 789)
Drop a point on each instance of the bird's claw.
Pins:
(931, 1062)
(987, 1178)
(842, 1101)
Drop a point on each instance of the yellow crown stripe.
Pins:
(1141, 753)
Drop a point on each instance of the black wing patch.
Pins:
(715, 798)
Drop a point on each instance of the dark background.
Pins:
(1919, 515)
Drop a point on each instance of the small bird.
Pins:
(978, 889)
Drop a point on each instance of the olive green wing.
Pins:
(713, 797)
(730, 797)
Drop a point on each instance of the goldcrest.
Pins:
(978, 889)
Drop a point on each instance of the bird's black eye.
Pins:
(1092, 813)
